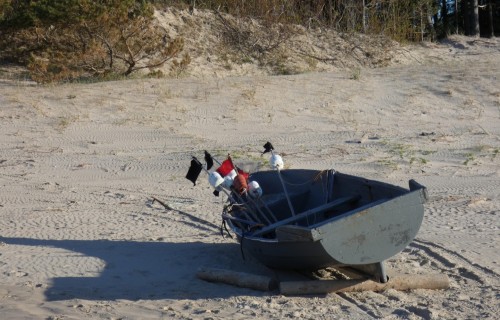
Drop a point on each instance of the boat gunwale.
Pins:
(318, 225)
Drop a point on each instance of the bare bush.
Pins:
(109, 42)
(252, 39)
(135, 45)
(401, 20)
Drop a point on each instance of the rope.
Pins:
(315, 178)
(241, 246)
(223, 228)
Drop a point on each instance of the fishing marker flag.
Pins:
(194, 170)
(268, 147)
(226, 167)
(209, 160)
(233, 176)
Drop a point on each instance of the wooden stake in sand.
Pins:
(407, 282)
(239, 279)
(162, 203)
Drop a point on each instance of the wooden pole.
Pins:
(284, 188)
(240, 199)
(407, 282)
(239, 279)
(228, 196)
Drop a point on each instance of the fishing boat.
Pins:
(312, 219)
(326, 218)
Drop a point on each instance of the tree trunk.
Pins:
(475, 19)
(466, 14)
(364, 16)
(490, 19)
(328, 12)
(444, 17)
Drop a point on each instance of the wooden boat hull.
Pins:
(379, 223)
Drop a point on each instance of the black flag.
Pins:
(209, 160)
(194, 170)
(268, 147)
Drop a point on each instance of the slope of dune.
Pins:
(82, 238)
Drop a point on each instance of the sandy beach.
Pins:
(81, 238)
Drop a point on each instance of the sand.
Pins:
(81, 238)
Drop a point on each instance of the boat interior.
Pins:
(307, 198)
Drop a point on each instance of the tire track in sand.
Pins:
(439, 253)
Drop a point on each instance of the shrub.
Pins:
(68, 39)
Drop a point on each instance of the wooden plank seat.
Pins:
(351, 212)
(305, 214)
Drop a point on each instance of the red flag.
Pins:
(225, 167)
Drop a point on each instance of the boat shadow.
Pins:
(140, 270)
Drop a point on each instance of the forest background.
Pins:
(67, 40)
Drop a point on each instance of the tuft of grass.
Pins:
(418, 160)
(312, 63)
(37, 107)
(388, 163)
(179, 68)
(249, 94)
(401, 150)
(469, 157)
(281, 69)
(165, 94)
(65, 122)
(427, 152)
(245, 59)
(407, 153)
(355, 74)
(155, 74)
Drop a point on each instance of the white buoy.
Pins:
(228, 182)
(229, 179)
(215, 179)
(254, 189)
(232, 174)
(276, 162)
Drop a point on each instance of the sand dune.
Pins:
(80, 237)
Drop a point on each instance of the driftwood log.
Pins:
(407, 282)
(239, 279)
